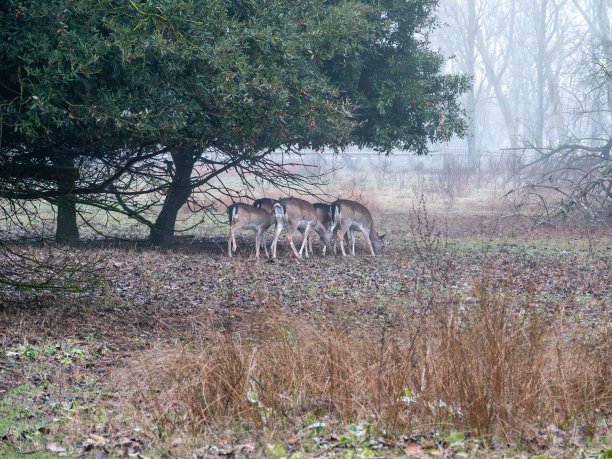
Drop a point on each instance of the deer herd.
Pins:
(332, 222)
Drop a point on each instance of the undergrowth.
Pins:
(502, 369)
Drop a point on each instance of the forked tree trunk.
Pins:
(162, 232)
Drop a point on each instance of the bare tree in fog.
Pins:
(480, 35)
(598, 97)
(541, 83)
(524, 56)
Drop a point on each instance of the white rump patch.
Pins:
(278, 210)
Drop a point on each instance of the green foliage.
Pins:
(403, 99)
(248, 75)
(66, 355)
(104, 101)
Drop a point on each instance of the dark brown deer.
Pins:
(323, 227)
(264, 203)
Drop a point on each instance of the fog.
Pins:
(541, 68)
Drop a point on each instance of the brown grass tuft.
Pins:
(498, 367)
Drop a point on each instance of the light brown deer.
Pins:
(351, 216)
(294, 213)
(244, 216)
(322, 228)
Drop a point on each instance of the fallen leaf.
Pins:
(97, 439)
(428, 444)
(413, 449)
(55, 448)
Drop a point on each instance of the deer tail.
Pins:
(232, 212)
(334, 211)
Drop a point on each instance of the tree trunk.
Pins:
(541, 58)
(470, 63)
(66, 230)
(496, 81)
(162, 232)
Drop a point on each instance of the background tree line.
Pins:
(543, 83)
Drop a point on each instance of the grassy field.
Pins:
(472, 336)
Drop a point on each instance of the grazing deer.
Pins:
(322, 228)
(295, 213)
(248, 217)
(264, 203)
(350, 216)
(267, 203)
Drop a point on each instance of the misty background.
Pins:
(541, 70)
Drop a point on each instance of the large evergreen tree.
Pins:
(100, 100)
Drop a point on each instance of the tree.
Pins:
(326, 75)
(159, 99)
(573, 180)
(66, 98)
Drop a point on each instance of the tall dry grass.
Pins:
(498, 367)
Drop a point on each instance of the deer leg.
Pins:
(352, 232)
(366, 235)
(229, 242)
(263, 242)
(277, 231)
(305, 240)
(257, 242)
(310, 243)
(342, 233)
(335, 236)
(290, 234)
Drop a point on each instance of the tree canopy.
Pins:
(102, 100)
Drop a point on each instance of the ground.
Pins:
(102, 372)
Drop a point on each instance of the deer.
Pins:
(322, 228)
(351, 216)
(264, 203)
(244, 216)
(295, 213)
(267, 203)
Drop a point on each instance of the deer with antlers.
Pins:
(244, 216)
(351, 216)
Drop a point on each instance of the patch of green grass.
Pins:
(10, 453)
(9, 413)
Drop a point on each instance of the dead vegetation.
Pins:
(501, 368)
(468, 336)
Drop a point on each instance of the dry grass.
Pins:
(454, 328)
(501, 369)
